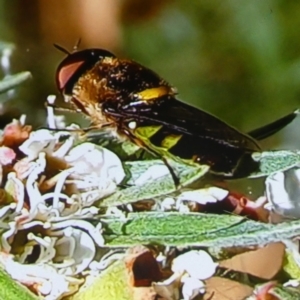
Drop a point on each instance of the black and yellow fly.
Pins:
(135, 103)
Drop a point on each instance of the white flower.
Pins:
(283, 193)
(7, 155)
(153, 173)
(89, 158)
(40, 140)
(6, 236)
(18, 190)
(31, 184)
(46, 203)
(189, 268)
(94, 232)
(96, 172)
(203, 196)
(192, 287)
(168, 204)
(182, 207)
(53, 120)
(66, 146)
(44, 278)
(168, 289)
(106, 260)
(292, 283)
(197, 264)
(45, 246)
(75, 245)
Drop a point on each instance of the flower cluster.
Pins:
(51, 181)
(51, 184)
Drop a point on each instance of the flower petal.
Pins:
(283, 192)
(198, 264)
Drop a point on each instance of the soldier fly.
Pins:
(133, 102)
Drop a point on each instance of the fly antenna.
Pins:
(76, 46)
(62, 49)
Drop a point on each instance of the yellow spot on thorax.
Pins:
(109, 60)
(156, 92)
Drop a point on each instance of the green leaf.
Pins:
(286, 293)
(274, 161)
(129, 148)
(282, 292)
(10, 82)
(269, 162)
(291, 266)
(155, 188)
(194, 229)
(111, 284)
(9, 289)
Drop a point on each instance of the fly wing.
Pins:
(191, 134)
(271, 128)
(185, 119)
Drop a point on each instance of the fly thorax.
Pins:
(87, 98)
(128, 79)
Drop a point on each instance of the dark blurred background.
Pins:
(239, 60)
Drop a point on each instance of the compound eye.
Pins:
(66, 72)
(75, 65)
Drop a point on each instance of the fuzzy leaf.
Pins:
(112, 284)
(9, 289)
(12, 81)
(151, 189)
(194, 229)
(286, 293)
(290, 266)
(274, 161)
(275, 291)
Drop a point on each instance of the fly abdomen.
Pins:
(223, 159)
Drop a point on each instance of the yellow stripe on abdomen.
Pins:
(170, 141)
(146, 132)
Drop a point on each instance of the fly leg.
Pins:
(142, 154)
(175, 178)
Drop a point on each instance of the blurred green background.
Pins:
(239, 60)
